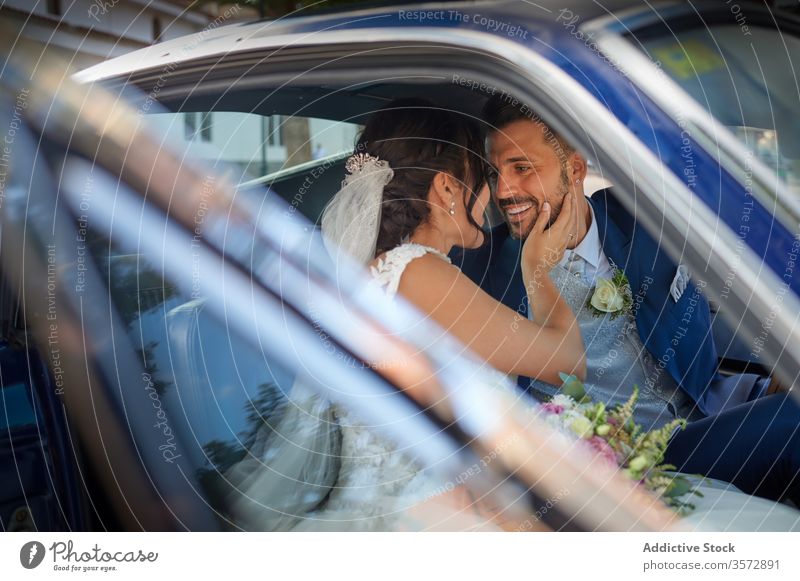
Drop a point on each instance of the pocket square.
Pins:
(679, 283)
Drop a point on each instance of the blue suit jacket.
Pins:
(678, 334)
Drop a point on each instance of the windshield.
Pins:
(746, 81)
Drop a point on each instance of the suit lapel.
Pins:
(510, 277)
(506, 283)
(614, 240)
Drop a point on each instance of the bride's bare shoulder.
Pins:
(431, 274)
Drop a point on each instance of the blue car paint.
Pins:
(44, 481)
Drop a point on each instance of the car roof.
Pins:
(587, 9)
(551, 18)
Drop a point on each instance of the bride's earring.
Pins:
(452, 208)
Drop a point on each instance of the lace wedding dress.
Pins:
(377, 483)
(381, 488)
(288, 481)
(376, 487)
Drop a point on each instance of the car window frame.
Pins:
(573, 112)
(631, 517)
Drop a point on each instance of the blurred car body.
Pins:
(187, 299)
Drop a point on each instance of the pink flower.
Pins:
(552, 408)
(600, 447)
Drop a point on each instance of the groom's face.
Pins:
(530, 172)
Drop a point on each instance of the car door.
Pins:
(629, 137)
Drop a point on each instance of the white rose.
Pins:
(563, 400)
(607, 297)
(582, 427)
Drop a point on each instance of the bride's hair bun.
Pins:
(419, 140)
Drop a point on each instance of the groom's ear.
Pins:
(578, 167)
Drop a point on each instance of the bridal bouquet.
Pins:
(612, 434)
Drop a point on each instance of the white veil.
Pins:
(292, 467)
(351, 220)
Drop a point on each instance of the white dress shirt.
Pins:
(589, 255)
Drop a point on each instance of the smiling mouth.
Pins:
(518, 212)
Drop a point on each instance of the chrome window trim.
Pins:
(294, 170)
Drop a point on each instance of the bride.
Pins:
(415, 189)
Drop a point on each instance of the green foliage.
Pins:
(573, 387)
(640, 454)
(623, 414)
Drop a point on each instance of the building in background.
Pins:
(236, 138)
(86, 32)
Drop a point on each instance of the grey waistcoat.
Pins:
(616, 359)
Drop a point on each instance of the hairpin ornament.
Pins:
(356, 162)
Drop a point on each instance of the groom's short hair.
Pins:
(502, 110)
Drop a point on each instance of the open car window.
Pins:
(257, 145)
(300, 159)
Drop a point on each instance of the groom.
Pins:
(658, 338)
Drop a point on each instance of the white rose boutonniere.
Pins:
(611, 296)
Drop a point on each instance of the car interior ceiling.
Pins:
(353, 103)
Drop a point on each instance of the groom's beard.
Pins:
(556, 203)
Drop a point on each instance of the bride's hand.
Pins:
(544, 248)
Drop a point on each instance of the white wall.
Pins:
(333, 135)
(236, 138)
